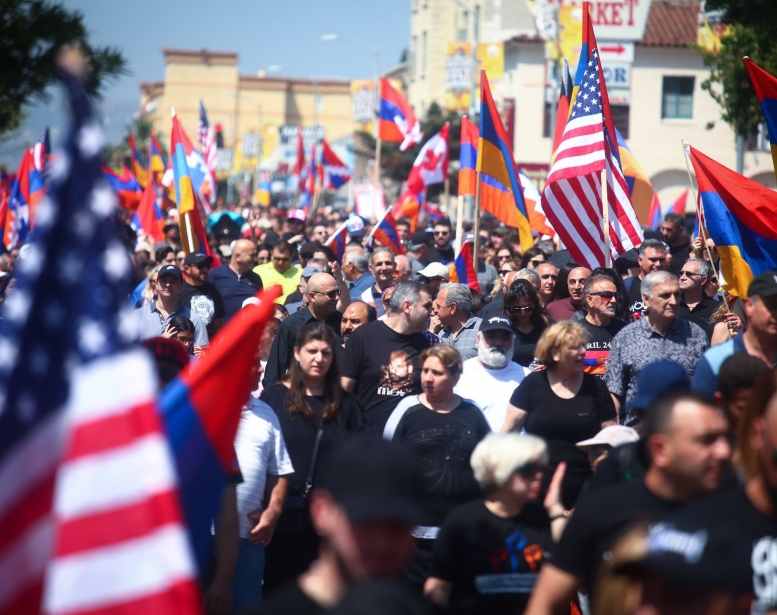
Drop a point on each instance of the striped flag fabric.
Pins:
(396, 121)
(385, 233)
(765, 86)
(463, 268)
(572, 196)
(207, 140)
(41, 152)
(299, 165)
(334, 172)
(338, 241)
(468, 158)
(89, 514)
(27, 190)
(678, 206)
(138, 167)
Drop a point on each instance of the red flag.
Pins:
(679, 205)
(148, 215)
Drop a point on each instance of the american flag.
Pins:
(89, 514)
(207, 140)
(572, 197)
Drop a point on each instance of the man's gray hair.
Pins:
(380, 251)
(654, 279)
(704, 267)
(588, 288)
(407, 290)
(458, 294)
(653, 244)
(359, 260)
(530, 275)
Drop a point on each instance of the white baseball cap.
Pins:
(435, 270)
(613, 436)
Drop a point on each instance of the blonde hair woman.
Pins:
(562, 404)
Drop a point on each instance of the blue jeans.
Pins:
(247, 585)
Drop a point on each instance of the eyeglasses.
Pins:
(186, 341)
(606, 294)
(529, 470)
(153, 280)
(517, 309)
(690, 274)
(536, 263)
(205, 266)
(442, 233)
(332, 294)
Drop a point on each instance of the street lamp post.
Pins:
(376, 56)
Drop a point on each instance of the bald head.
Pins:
(576, 282)
(243, 256)
(322, 295)
(509, 278)
(321, 282)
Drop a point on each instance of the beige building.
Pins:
(243, 104)
(661, 104)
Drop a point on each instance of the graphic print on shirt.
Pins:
(397, 379)
(764, 563)
(595, 361)
(204, 307)
(523, 563)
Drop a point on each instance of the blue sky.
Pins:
(263, 32)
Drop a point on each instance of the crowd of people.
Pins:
(558, 440)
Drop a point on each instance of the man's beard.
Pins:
(496, 356)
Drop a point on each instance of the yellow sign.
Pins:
(458, 76)
(570, 35)
(710, 35)
(363, 103)
(491, 58)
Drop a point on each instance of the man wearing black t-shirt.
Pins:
(652, 257)
(199, 295)
(686, 442)
(381, 360)
(673, 232)
(599, 298)
(442, 240)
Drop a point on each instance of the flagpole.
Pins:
(702, 230)
(476, 225)
(377, 224)
(336, 233)
(606, 219)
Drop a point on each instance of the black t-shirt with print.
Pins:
(491, 561)
(562, 423)
(442, 444)
(597, 348)
(385, 366)
(205, 301)
(730, 512)
(637, 306)
(600, 518)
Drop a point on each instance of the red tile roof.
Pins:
(671, 23)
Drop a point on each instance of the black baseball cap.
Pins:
(496, 323)
(196, 258)
(170, 270)
(374, 479)
(308, 247)
(421, 238)
(763, 285)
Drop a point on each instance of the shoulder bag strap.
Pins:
(313, 460)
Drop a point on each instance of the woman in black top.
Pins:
(441, 430)
(309, 398)
(522, 306)
(489, 552)
(562, 404)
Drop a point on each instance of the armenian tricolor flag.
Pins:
(463, 268)
(468, 158)
(741, 217)
(137, 164)
(125, 185)
(765, 86)
(654, 215)
(193, 237)
(338, 241)
(500, 190)
(148, 217)
(157, 161)
(385, 233)
(201, 410)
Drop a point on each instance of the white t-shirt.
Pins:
(490, 389)
(260, 451)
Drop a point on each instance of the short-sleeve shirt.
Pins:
(205, 301)
(288, 280)
(234, 288)
(490, 389)
(385, 365)
(465, 341)
(442, 444)
(524, 346)
(261, 451)
(637, 305)
(151, 323)
(597, 348)
(637, 345)
(562, 423)
(492, 562)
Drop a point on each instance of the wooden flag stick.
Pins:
(476, 225)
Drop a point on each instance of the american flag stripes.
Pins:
(41, 151)
(89, 515)
(207, 140)
(572, 197)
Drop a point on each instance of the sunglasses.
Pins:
(504, 257)
(520, 310)
(536, 263)
(530, 470)
(690, 274)
(606, 294)
(505, 272)
(184, 340)
(442, 233)
(332, 294)
(434, 279)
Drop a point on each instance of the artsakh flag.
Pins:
(26, 191)
(396, 121)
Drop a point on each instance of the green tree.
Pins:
(751, 34)
(32, 33)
